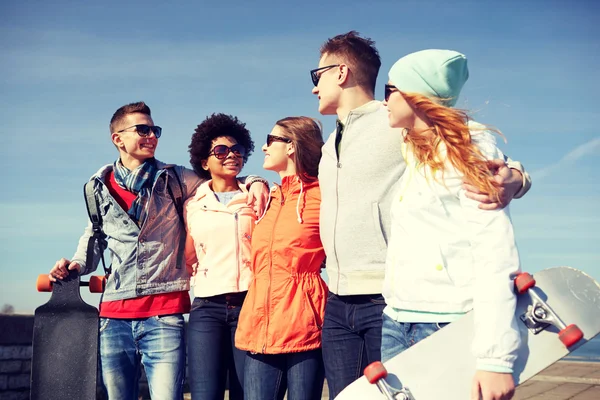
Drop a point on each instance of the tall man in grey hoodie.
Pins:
(358, 173)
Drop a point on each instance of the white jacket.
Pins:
(446, 255)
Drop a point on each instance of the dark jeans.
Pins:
(268, 376)
(351, 337)
(211, 349)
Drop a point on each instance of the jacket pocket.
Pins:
(174, 320)
(377, 226)
(312, 309)
(458, 259)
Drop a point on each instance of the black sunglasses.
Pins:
(144, 130)
(273, 138)
(315, 76)
(389, 89)
(221, 151)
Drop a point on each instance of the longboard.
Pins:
(561, 300)
(65, 341)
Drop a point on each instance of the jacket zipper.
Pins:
(337, 205)
(268, 313)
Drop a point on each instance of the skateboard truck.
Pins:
(540, 315)
(96, 283)
(376, 373)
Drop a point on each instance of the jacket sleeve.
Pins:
(496, 261)
(80, 255)
(190, 181)
(250, 179)
(526, 178)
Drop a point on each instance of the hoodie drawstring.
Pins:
(298, 202)
(298, 214)
(267, 206)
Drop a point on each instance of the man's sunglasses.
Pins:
(144, 130)
(221, 151)
(273, 138)
(389, 89)
(315, 76)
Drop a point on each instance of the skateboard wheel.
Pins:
(375, 371)
(97, 284)
(524, 282)
(570, 335)
(43, 283)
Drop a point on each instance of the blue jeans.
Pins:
(399, 336)
(212, 354)
(157, 343)
(267, 376)
(351, 337)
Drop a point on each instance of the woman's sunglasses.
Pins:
(221, 151)
(144, 130)
(389, 89)
(273, 138)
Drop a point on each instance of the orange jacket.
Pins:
(284, 307)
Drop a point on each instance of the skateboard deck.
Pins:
(442, 366)
(65, 344)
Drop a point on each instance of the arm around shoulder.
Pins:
(526, 179)
(190, 181)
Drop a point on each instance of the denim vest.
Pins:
(147, 260)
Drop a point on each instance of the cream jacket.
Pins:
(217, 250)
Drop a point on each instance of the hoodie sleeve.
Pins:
(80, 255)
(191, 259)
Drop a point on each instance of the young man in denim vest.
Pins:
(358, 173)
(146, 295)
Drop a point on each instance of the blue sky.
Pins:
(67, 66)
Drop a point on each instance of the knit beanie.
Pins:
(433, 73)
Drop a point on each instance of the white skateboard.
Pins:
(558, 311)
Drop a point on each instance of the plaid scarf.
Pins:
(139, 181)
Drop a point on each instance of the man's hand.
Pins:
(492, 386)
(257, 197)
(61, 269)
(509, 181)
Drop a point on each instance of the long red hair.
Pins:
(450, 127)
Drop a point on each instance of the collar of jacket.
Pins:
(206, 189)
(291, 184)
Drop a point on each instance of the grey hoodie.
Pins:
(356, 195)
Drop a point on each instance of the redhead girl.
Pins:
(446, 256)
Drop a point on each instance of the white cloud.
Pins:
(590, 148)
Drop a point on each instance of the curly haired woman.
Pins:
(219, 230)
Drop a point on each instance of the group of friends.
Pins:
(404, 205)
